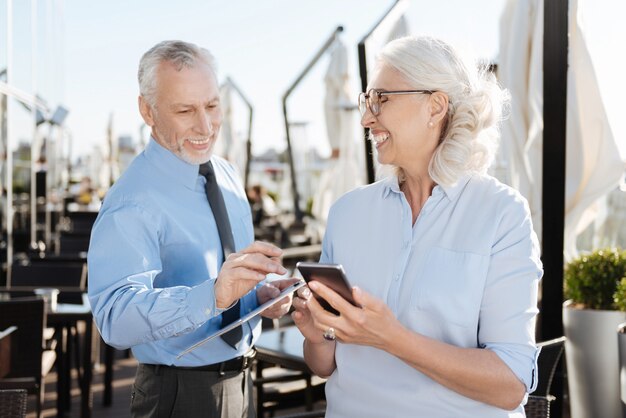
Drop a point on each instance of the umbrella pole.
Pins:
(392, 11)
(555, 49)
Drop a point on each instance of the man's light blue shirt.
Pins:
(466, 273)
(155, 254)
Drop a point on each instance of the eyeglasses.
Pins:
(373, 99)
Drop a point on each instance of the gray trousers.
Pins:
(169, 392)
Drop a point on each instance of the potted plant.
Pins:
(620, 302)
(590, 318)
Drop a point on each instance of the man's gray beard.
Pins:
(184, 155)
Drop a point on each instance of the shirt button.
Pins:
(207, 311)
(397, 277)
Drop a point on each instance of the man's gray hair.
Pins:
(180, 54)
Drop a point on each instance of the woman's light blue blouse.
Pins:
(466, 273)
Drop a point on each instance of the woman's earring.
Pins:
(431, 124)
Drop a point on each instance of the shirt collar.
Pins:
(390, 184)
(169, 163)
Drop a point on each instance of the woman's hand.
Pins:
(371, 324)
(319, 353)
(271, 290)
(302, 316)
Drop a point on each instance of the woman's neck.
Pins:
(417, 189)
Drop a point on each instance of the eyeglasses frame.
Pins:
(382, 93)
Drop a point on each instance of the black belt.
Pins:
(238, 364)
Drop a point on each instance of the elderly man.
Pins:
(172, 257)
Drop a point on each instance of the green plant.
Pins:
(619, 298)
(593, 279)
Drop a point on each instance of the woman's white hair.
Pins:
(181, 54)
(469, 136)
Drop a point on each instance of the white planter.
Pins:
(621, 349)
(592, 361)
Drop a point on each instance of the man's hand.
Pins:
(271, 290)
(243, 270)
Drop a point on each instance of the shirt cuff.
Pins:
(202, 302)
(523, 363)
(249, 301)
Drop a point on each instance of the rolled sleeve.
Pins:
(509, 307)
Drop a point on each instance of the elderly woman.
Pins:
(443, 257)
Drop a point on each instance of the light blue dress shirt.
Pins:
(155, 254)
(466, 273)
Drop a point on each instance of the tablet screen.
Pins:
(286, 292)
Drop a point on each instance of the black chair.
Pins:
(282, 384)
(285, 389)
(308, 414)
(62, 275)
(81, 222)
(73, 243)
(538, 405)
(30, 362)
(13, 403)
(69, 275)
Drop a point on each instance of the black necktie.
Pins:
(216, 201)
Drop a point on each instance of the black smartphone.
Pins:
(332, 276)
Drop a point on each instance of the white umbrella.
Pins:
(593, 162)
(399, 29)
(520, 71)
(594, 166)
(343, 173)
(337, 98)
(393, 26)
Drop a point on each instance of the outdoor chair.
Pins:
(308, 414)
(81, 222)
(30, 362)
(71, 276)
(285, 389)
(279, 386)
(73, 243)
(538, 405)
(13, 403)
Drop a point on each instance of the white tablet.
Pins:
(286, 292)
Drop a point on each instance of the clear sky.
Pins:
(264, 44)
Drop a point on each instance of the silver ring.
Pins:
(329, 334)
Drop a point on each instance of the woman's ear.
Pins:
(438, 106)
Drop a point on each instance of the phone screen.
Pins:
(332, 276)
